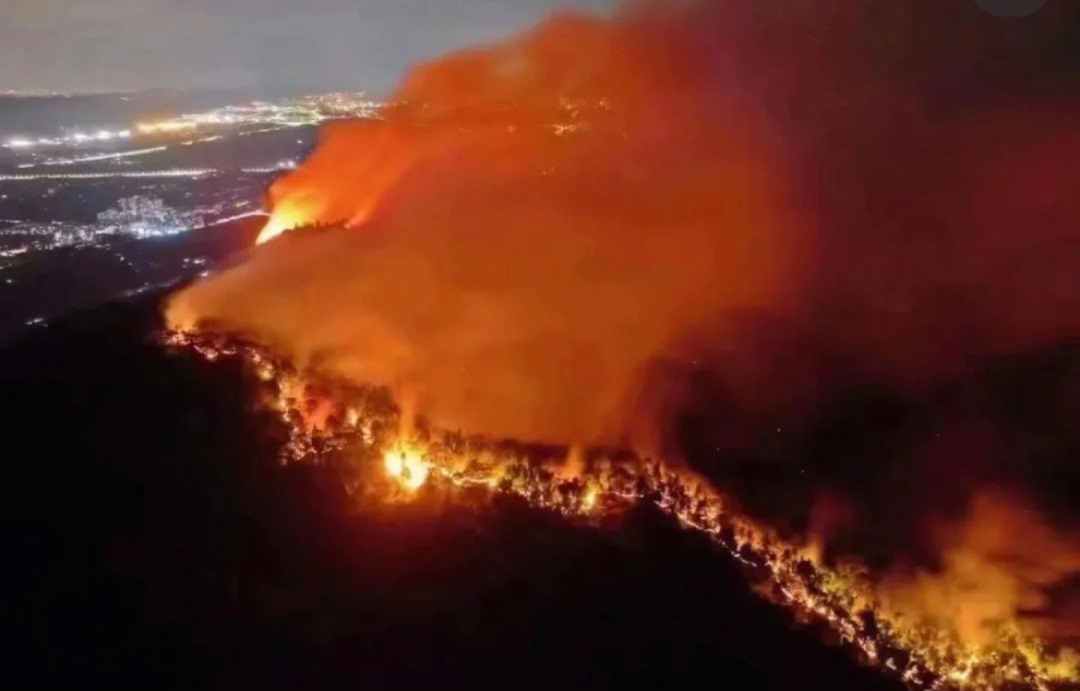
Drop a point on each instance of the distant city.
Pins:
(98, 193)
(302, 111)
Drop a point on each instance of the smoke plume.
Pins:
(540, 232)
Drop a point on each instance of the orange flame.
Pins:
(897, 623)
(405, 463)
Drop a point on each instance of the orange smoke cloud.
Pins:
(533, 226)
(541, 232)
(1000, 560)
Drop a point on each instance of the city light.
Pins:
(72, 139)
(279, 166)
(139, 217)
(143, 217)
(104, 157)
(296, 112)
(173, 173)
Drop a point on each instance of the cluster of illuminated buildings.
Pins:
(137, 217)
(145, 217)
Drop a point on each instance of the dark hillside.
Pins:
(155, 542)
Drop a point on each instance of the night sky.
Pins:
(121, 45)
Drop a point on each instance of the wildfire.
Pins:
(326, 418)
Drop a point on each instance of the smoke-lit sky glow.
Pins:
(120, 45)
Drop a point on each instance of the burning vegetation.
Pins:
(928, 628)
(665, 232)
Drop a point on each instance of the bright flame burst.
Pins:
(274, 227)
(405, 463)
(285, 217)
(921, 650)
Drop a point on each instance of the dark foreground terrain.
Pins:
(153, 541)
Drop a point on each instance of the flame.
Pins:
(892, 624)
(274, 227)
(405, 463)
(286, 216)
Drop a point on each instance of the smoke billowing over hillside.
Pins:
(722, 212)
